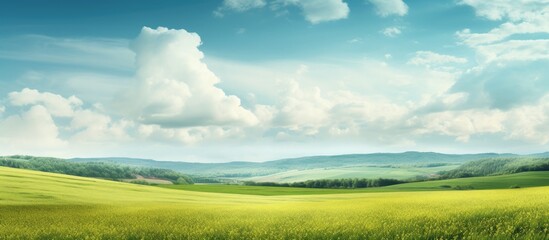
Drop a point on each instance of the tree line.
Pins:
(92, 169)
(332, 183)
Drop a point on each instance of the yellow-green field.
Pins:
(52, 206)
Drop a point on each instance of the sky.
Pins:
(256, 80)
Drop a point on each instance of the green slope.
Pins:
(525, 179)
(38, 205)
(19, 186)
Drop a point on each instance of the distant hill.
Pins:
(251, 169)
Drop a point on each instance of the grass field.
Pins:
(525, 179)
(52, 206)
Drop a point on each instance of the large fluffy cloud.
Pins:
(174, 88)
(43, 122)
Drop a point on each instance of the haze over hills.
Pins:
(324, 166)
(406, 166)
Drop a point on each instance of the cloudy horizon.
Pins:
(256, 80)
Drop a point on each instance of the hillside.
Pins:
(21, 186)
(39, 205)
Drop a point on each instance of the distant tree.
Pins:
(331, 183)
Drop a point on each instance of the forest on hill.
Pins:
(93, 169)
(498, 166)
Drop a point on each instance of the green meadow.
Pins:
(38, 205)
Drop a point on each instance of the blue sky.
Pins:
(265, 79)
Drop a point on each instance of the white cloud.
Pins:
(243, 5)
(514, 50)
(355, 40)
(386, 8)
(503, 86)
(428, 58)
(317, 11)
(326, 100)
(54, 124)
(301, 110)
(91, 126)
(503, 32)
(189, 135)
(365, 76)
(461, 124)
(175, 98)
(522, 19)
(55, 104)
(510, 9)
(529, 123)
(391, 31)
(511, 56)
(309, 111)
(526, 123)
(32, 129)
(174, 88)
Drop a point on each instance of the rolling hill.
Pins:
(39, 205)
(315, 164)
